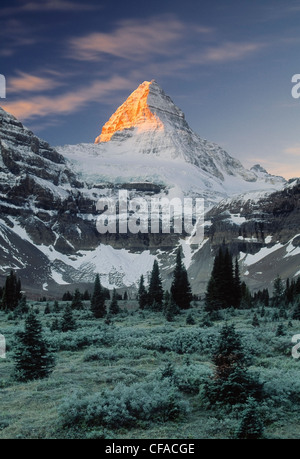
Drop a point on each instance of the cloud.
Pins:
(25, 82)
(135, 40)
(294, 150)
(41, 106)
(14, 35)
(58, 5)
(230, 51)
(164, 43)
(48, 6)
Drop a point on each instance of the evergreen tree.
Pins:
(142, 294)
(237, 297)
(33, 358)
(246, 298)
(212, 302)
(22, 307)
(229, 351)
(68, 322)
(278, 293)
(55, 325)
(180, 288)
(86, 296)
(55, 306)
(155, 292)
(47, 309)
(170, 308)
(222, 290)
(232, 382)
(282, 312)
(190, 319)
(296, 312)
(251, 426)
(280, 330)
(98, 299)
(67, 296)
(11, 292)
(77, 300)
(114, 306)
(227, 280)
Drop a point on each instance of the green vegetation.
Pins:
(99, 366)
(142, 376)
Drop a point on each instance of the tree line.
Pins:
(171, 301)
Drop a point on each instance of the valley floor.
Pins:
(141, 349)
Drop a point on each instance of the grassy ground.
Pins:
(135, 347)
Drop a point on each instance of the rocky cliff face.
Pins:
(262, 231)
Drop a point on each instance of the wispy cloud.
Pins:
(14, 34)
(294, 150)
(26, 82)
(229, 51)
(133, 39)
(30, 108)
(167, 41)
(48, 6)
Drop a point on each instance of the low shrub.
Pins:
(186, 378)
(124, 406)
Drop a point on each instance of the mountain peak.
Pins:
(144, 109)
(259, 168)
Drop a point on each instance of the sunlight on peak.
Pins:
(134, 112)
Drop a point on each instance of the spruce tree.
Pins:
(55, 306)
(232, 383)
(142, 294)
(251, 426)
(212, 302)
(47, 309)
(68, 322)
(98, 299)
(180, 288)
(22, 307)
(224, 288)
(114, 306)
(170, 308)
(237, 296)
(229, 351)
(55, 325)
(155, 292)
(278, 293)
(296, 312)
(32, 355)
(11, 292)
(77, 300)
(67, 296)
(86, 296)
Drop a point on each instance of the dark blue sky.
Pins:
(227, 64)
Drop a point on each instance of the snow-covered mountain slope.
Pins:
(23, 153)
(148, 140)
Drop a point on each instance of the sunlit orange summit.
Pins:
(134, 112)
